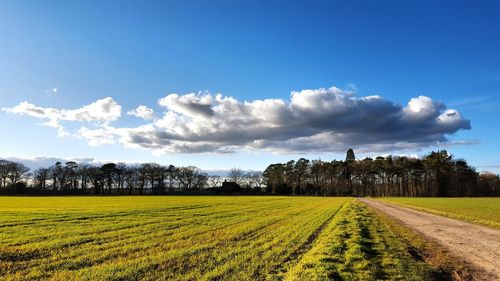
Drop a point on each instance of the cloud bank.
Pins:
(311, 121)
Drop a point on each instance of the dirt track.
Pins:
(477, 245)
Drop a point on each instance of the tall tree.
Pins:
(4, 172)
(350, 159)
(108, 170)
(17, 172)
(40, 177)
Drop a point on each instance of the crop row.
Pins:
(359, 245)
(183, 239)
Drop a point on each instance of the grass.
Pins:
(199, 238)
(444, 265)
(485, 211)
(169, 238)
(358, 245)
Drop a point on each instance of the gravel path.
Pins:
(478, 245)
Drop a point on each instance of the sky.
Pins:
(222, 84)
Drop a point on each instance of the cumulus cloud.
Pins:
(190, 105)
(102, 111)
(97, 136)
(143, 112)
(316, 120)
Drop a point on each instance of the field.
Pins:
(359, 245)
(484, 211)
(199, 238)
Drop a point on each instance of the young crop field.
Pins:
(358, 245)
(484, 211)
(199, 238)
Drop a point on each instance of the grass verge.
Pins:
(359, 245)
(444, 265)
(483, 211)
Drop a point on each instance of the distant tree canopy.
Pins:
(437, 174)
(113, 179)
(12, 173)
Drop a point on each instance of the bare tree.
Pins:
(131, 175)
(70, 169)
(214, 181)
(84, 175)
(171, 176)
(108, 170)
(4, 172)
(120, 177)
(40, 177)
(17, 172)
(236, 175)
(254, 179)
(96, 178)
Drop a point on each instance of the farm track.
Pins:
(475, 244)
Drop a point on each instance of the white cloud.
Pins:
(191, 105)
(51, 91)
(102, 111)
(317, 120)
(421, 108)
(95, 137)
(33, 110)
(143, 112)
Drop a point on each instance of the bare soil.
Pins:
(474, 244)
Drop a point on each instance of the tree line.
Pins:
(119, 179)
(437, 175)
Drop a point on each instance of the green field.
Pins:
(198, 238)
(484, 211)
(359, 245)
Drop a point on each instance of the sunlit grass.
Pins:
(170, 238)
(357, 245)
(484, 211)
(199, 238)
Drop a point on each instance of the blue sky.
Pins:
(139, 52)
